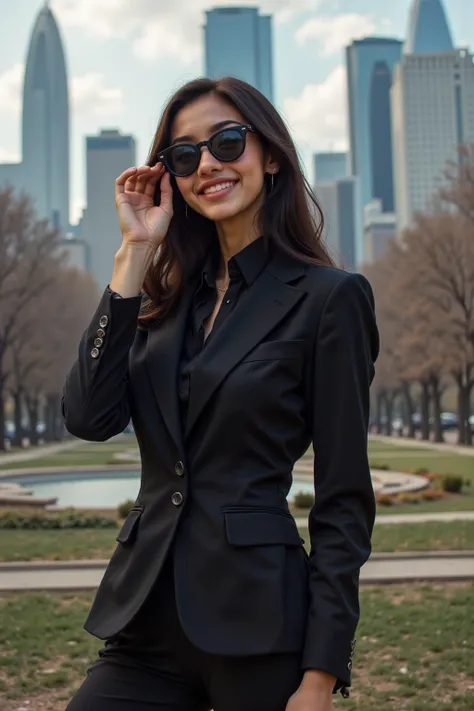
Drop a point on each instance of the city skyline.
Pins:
(105, 93)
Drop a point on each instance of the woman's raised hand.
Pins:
(141, 221)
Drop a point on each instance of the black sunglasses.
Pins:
(226, 145)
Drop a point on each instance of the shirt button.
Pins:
(177, 498)
(179, 468)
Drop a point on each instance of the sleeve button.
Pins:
(100, 332)
(103, 321)
(98, 342)
(95, 352)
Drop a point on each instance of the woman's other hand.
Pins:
(314, 693)
(141, 221)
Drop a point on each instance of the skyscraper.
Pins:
(329, 166)
(340, 203)
(432, 114)
(238, 42)
(46, 122)
(107, 156)
(428, 29)
(370, 64)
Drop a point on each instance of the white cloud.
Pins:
(338, 31)
(90, 96)
(11, 85)
(159, 28)
(317, 116)
(9, 156)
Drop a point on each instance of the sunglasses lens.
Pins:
(228, 144)
(183, 160)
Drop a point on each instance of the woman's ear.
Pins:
(272, 166)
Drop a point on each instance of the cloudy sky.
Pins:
(125, 57)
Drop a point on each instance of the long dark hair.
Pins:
(290, 218)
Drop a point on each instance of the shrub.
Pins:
(53, 520)
(125, 507)
(452, 483)
(303, 500)
(384, 499)
(432, 494)
(408, 498)
(421, 471)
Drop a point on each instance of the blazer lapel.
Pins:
(257, 313)
(163, 353)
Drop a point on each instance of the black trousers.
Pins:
(152, 666)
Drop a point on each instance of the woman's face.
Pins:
(245, 176)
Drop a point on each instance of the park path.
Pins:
(423, 444)
(38, 452)
(381, 568)
(444, 516)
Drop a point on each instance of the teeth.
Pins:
(217, 188)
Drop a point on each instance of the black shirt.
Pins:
(244, 268)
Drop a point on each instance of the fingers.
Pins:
(140, 180)
(166, 197)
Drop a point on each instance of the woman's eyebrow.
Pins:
(215, 127)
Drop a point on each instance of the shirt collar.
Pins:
(248, 263)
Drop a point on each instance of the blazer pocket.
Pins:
(129, 528)
(276, 350)
(261, 528)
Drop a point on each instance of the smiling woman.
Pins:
(231, 341)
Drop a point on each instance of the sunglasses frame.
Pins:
(242, 128)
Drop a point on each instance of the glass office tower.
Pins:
(238, 42)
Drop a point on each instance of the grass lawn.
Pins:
(81, 544)
(415, 649)
(88, 453)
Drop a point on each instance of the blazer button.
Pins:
(179, 468)
(103, 321)
(177, 498)
(95, 352)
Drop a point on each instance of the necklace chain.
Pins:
(220, 288)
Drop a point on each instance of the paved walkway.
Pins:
(413, 518)
(38, 452)
(423, 444)
(381, 568)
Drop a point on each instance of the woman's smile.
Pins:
(218, 190)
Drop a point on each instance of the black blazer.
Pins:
(291, 364)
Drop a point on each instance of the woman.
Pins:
(232, 342)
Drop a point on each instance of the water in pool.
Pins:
(100, 490)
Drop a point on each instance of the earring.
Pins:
(273, 180)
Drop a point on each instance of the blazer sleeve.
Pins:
(342, 518)
(95, 402)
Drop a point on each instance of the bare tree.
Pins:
(28, 257)
(441, 254)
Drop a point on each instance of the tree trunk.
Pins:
(379, 410)
(425, 409)
(2, 414)
(54, 429)
(464, 398)
(389, 401)
(33, 407)
(17, 416)
(409, 407)
(436, 395)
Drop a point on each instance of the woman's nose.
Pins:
(208, 162)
